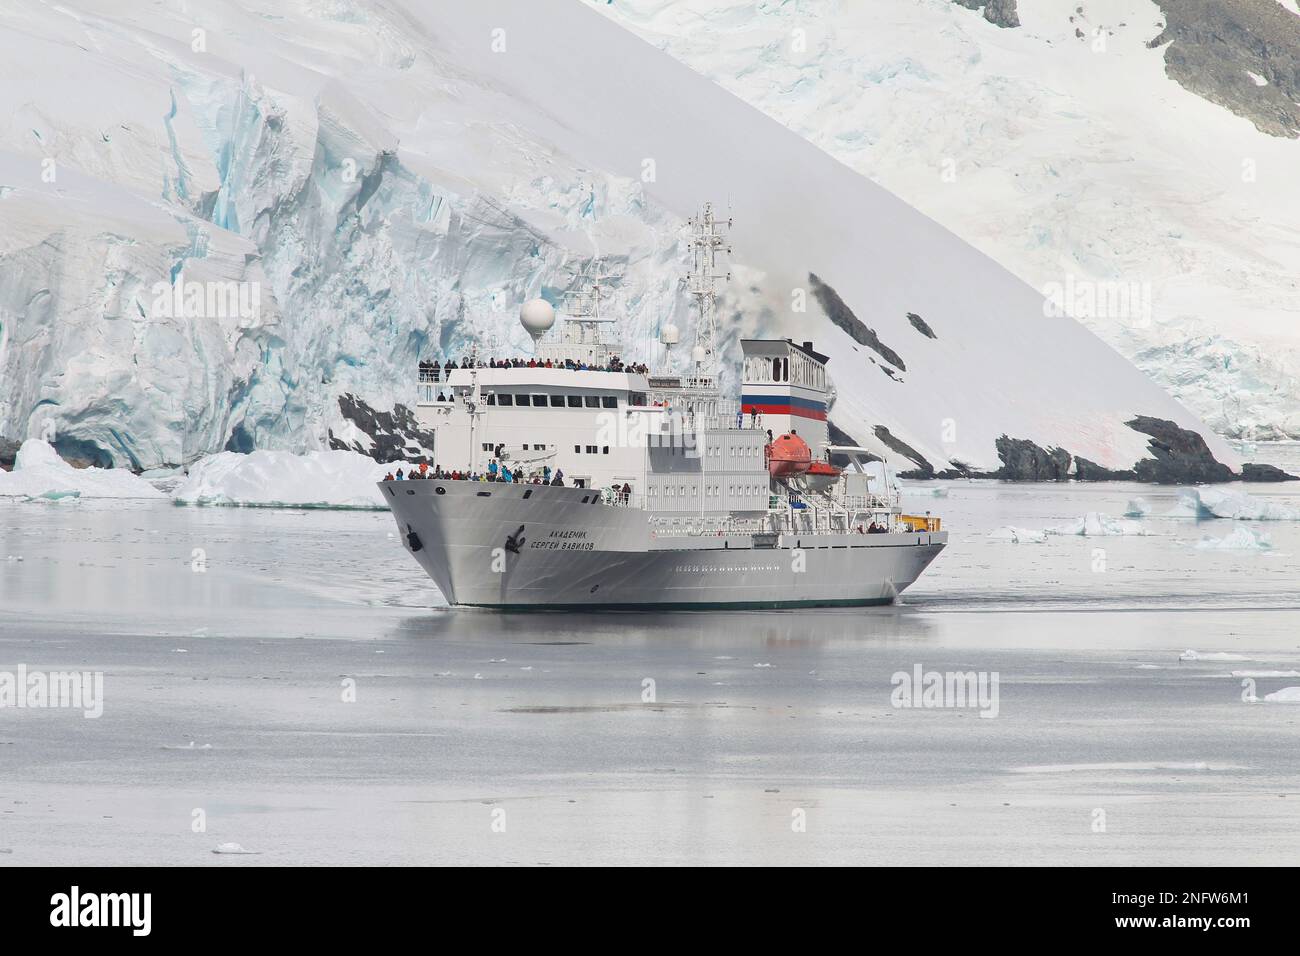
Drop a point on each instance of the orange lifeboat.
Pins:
(823, 469)
(788, 455)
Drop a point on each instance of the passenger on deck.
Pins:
(399, 474)
(388, 477)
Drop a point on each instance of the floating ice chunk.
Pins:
(40, 474)
(270, 479)
(1137, 508)
(1217, 503)
(926, 491)
(1241, 539)
(1287, 695)
(1266, 673)
(1212, 656)
(235, 849)
(1095, 525)
(1018, 535)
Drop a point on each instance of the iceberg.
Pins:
(1095, 524)
(1207, 503)
(1137, 508)
(1211, 656)
(40, 474)
(1241, 539)
(280, 479)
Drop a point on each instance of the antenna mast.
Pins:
(708, 237)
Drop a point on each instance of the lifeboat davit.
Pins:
(788, 455)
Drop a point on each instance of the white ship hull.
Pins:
(485, 544)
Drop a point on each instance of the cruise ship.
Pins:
(573, 479)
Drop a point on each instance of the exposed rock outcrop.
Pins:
(838, 312)
(1023, 460)
(1085, 470)
(1214, 47)
(1253, 472)
(923, 468)
(1181, 455)
(921, 325)
(388, 436)
(8, 450)
(1000, 12)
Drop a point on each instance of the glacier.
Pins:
(1062, 148)
(388, 180)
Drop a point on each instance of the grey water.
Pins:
(290, 681)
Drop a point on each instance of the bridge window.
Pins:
(505, 399)
(557, 401)
(591, 401)
(575, 401)
(523, 400)
(491, 398)
(609, 401)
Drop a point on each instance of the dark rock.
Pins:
(1211, 45)
(1022, 460)
(394, 436)
(8, 451)
(921, 326)
(1085, 470)
(925, 469)
(838, 312)
(1000, 12)
(1181, 455)
(1253, 472)
(838, 436)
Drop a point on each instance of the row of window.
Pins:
(806, 371)
(710, 491)
(736, 451)
(537, 446)
(590, 449)
(528, 400)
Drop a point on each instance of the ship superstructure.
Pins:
(577, 478)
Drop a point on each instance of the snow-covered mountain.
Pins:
(1143, 149)
(216, 219)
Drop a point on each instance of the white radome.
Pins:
(669, 335)
(698, 355)
(537, 316)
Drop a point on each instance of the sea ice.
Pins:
(40, 474)
(1137, 508)
(1095, 524)
(1241, 539)
(1212, 656)
(1287, 695)
(268, 479)
(235, 849)
(1217, 503)
(1019, 535)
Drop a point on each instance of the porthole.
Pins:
(440, 490)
